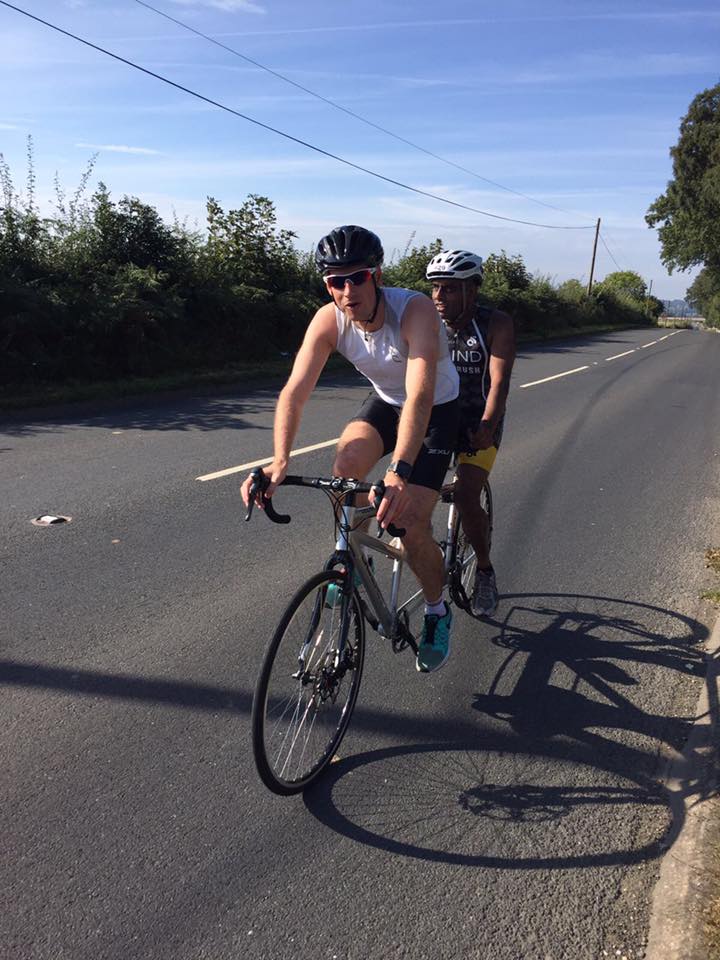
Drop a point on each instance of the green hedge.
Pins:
(108, 290)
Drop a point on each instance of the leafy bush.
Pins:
(409, 270)
(107, 289)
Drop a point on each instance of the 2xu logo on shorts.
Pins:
(439, 453)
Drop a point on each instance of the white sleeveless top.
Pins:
(382, 357)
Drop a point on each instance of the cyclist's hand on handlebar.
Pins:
(275, 473)
(395, 505)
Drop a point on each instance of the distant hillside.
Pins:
(677, 308)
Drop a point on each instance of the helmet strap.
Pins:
(378, 298)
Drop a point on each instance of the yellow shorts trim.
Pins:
(481, 458)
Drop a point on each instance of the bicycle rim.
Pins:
(467, 565)
(306, 691)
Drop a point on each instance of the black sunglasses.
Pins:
(338, 280)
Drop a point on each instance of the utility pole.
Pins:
(592, 265)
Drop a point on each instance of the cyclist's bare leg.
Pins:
(359, 449)
(423, 554)
(468, 487)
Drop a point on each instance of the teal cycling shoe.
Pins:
(434, 647)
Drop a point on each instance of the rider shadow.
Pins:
(585, 706)
(571, 667)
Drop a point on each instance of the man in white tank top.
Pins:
(395, 338)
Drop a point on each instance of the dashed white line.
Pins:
(534, 383)
(262, 463)
(328, 443)
(618, 355)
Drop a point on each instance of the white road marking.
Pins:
(328, 443)
(618, 355)
(264, 462)
(534, 383)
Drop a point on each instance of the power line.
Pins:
(350, 113)
(616, 246)
(610, 252)
(281, 133)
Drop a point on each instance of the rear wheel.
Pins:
(307, 687)
(463, 577)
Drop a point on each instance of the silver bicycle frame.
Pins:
(353, 541)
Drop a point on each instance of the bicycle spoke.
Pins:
(308, 687)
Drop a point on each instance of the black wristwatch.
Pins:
(401, 468)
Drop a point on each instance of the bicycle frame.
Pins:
(349, 553)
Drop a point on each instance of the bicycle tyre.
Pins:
(299, 722)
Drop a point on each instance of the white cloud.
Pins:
(246, 6)
(120, 148)
(439, 23)
(611, 66)
(8, 126)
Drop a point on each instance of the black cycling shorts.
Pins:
(433, 460)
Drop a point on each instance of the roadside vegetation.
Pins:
(712, 562)
(688, 213)
(105, 291)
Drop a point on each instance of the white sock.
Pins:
(435, 609)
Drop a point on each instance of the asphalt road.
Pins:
(510, 806)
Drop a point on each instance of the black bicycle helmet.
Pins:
(348, 244)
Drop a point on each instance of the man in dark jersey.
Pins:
(482, 346)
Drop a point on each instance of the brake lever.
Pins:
(261, 482)
(377, 500)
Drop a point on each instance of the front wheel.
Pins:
(308, 684)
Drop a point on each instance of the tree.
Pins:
(247, 244)
(688, 213)
(624, 282)
(653, 307)
(409, 271)
(505, 272)
(703, 295)
(573, 290)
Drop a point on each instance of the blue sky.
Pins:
(572, 103)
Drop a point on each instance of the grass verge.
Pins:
(712, 562)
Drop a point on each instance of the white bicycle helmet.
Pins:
(455, 265)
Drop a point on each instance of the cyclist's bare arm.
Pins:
(319, 342)
(502, 357)
(420, 329)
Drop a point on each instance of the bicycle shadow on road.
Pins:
(569, 773)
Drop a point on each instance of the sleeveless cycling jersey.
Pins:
(471, 356)
(381, 356)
